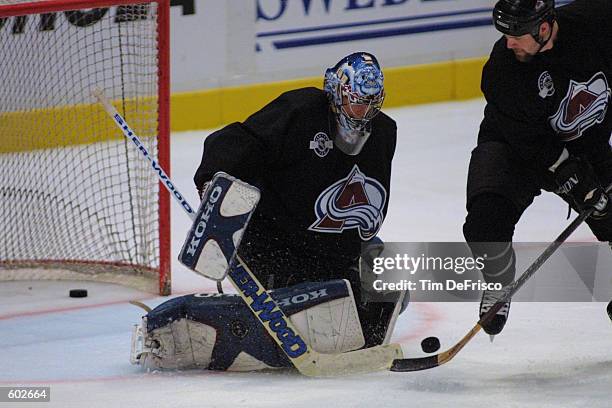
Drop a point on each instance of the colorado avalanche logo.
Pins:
(584, 106)
(355, 202)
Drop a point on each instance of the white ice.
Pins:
(549, 355)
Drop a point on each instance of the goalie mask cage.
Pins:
(76, 201)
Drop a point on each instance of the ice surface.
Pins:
(549, 355)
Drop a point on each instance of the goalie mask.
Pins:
(354, 88)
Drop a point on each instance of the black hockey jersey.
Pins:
(559, 98)
(318, 204)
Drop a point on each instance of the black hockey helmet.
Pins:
(520, 17)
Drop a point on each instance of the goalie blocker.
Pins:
(225, 210)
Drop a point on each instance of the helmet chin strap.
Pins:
(539, 40)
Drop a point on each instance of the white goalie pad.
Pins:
(181, 344)
(331, 327)
(400, 306)
(138, 348)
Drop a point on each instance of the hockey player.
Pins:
(546, 126)
(322, 160)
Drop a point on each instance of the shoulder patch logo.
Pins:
(584, 105)
(354, 202)
(546, 85)
(321, 144)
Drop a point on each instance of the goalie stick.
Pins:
(425, 363)
(306, 360)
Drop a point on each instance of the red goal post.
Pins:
(76, 202)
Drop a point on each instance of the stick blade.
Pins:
(377, 358)
(415, 364)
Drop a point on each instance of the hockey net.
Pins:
(76, 201)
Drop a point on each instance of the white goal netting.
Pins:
(76, 201)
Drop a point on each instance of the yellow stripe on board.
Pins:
(416, 84)
(72, 125)
(88, 123)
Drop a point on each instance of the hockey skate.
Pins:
(494, 326)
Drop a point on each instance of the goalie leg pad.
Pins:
(324, 313)
(217, 331)
(181, 344)
(236, 333)
(378, 310)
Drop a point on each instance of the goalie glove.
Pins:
(576, 178)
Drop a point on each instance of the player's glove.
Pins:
(577, 179)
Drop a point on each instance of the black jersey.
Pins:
(561, 97)
(317, 204)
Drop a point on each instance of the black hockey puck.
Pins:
(430, 345)
(609, 309)
(78, 293)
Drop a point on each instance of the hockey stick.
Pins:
(424, 363)
(306, 360)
